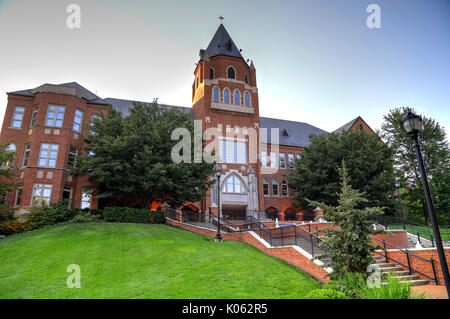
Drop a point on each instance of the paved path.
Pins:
(431, 291)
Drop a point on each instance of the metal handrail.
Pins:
(408, 254)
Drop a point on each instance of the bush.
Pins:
(325, 294)
(392, 289)
(13, 226)
(132, 215)
(351, 284)
(85, 217)
(40, 216)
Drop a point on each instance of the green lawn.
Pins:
(141, 261)
(424, 231)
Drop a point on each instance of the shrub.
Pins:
(351, 284)
(85, 217)
(132, 215)
(40, 216)
(391, 289)
(325, 294)
(13, 226)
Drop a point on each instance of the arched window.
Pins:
(284, 188)
(246, 78)
(216, 95)
(211, 73)
(237, 97)
(11, 148)
(226, 96)
(233, 184)
(231, 73)
(274, 187)
(266, 187)
(247, 99)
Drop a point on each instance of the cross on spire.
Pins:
(221, 19)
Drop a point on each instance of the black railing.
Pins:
(193, 217)
(409, 258)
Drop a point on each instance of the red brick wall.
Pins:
(65, 138)
(399, 238)
(421, 265)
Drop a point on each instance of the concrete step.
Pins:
(417, 282)
(384, 265)
(391, 269)
(407, 277)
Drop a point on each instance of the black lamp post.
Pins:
(412, 124)
(397, 185)
(218, 237)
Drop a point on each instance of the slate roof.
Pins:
(297, 132)
(124, 106)
(218, 45)
(94, 100)
(345, 127)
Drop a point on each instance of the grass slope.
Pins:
(141, 261)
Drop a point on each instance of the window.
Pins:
(72, 157)
(18, 116)
(77, 120)
(233, 184)
(284, 188)
(226, 96)
(264, 159)
(266, 187)
(94, 117)
(282, 160)
(67, 195)
(291, 161)
(274, 187)
(247, 99)
(18, 199)
(86, 198)
(41, 194)
(211, 73)
(11, 148)
(273, 159)
(299, 156)
(237, 98)
(233, 151)
(196, 85)
(33, 116)
(216, 95)
(246, 78)
(48, 155)
(26, 155)
(231, 73)
(55, 116)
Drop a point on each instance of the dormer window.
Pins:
(231, 73)
(284, 133)
(228, 45)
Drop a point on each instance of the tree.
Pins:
(350, 246)
(436, 155)
(368, 160)
(129, 158)
(7, 179)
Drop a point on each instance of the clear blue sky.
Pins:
(316, 60)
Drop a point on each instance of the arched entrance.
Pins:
(290, 213)
(272, 213)
(191, 213)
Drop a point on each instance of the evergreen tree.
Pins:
(436, 155)
(316, 173)
(129, 158)
(350, 246)
(8, 174)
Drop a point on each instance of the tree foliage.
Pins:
(129, 158)
(349, 243)
(8, 174)
(436, 156)
(368, 160)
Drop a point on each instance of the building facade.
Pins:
(46, 127)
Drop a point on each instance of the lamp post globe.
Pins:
(413, 126)
(218, 172)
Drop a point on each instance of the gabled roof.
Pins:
(221, 44)
(346, 127)
(70, 88)
(124, 106)
(297, 132)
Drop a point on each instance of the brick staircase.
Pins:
(398, 272)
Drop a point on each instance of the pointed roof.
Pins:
(221, 44)
(346, 127)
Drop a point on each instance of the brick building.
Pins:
(46, 127)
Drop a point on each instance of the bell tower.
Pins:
(225, 97)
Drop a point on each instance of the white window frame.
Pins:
(77, 124)
(233, 185)
(75, 154)
(273, 160)
(57, 110)
(283, 156)
(34, 116)
(26, 155)
(65, 188)
(86, 197)
(264, 159)
(277, 194)
(291, 156)
(41, 197)
(18, 111)
(50, 149)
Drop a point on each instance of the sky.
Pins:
(316, 60)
